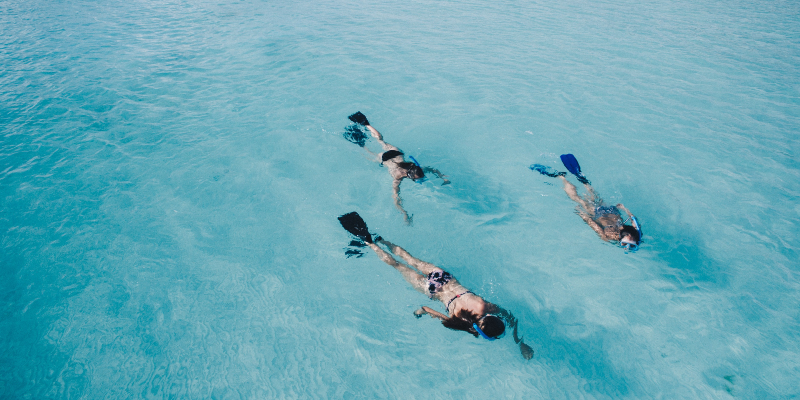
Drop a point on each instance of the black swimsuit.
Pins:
(388, 155)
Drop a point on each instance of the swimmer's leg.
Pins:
(424, 267)
(375, 156)
(417, 281)
(593, 197)
(572, 192)
(377, 135)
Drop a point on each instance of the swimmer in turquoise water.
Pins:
(466, 311)
(393, 159)
(604, 219)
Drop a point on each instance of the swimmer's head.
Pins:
(492, 326)
(413, 171)
(630, 233)
(489, 326)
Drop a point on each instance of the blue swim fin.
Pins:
(571, 163)
(546, 171)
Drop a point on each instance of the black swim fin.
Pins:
(353, 223)
(571, 163)
(354, 134)
(359, 118)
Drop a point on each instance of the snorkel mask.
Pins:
(419, 180)
(630, 245)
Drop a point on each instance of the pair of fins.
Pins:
(570, 163)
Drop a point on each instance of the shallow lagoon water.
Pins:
(171, 173)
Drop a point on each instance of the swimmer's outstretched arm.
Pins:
(398, 202)
(433, 313)
(512, 322)
(437, 173)
(622, 207)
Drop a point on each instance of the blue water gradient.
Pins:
(171, 173)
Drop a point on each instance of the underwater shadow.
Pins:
(476, 194)
(584, 357)
(679, 247)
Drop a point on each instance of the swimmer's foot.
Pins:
(359, 118)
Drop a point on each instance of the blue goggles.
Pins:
(628, 245)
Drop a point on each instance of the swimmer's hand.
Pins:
(527, 351)
(419, 313)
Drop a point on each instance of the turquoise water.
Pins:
(171, 173)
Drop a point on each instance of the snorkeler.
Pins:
(604, 219)
(466, 311)
(393, 159)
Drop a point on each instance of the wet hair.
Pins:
(490, 325)
(629, 230)
(462, 324)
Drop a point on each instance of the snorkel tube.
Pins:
(420, 180)
(638, 228)
(474, 325)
